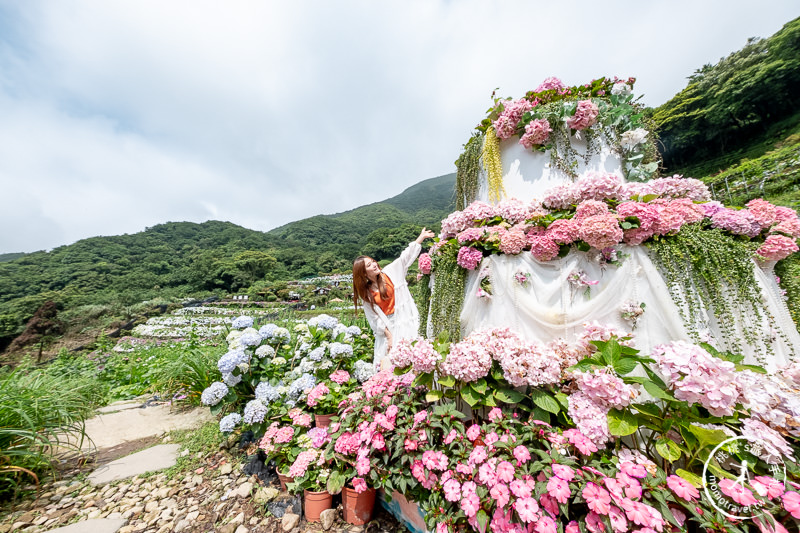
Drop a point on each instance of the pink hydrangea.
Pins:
(561, 197)
(479, 210)
(671, 188)
(580, 441)
(698, 377)
(359, 485)
(523, 362)
(647, 214)
(536, 133)
(589, 208)
(550, 84)
(468, 360)
(585, 115)
(456, 222)
(738, 222)
(764, 212)
(543, 248)
(772, 444)
(600, 231)
(513, 242)
(506, 124)
(469, 257)
(302, 462)
(563, 231)
(600, 186)
(790, 228)
(340, 376)
(777, 247)
(605, 388)
(424, 357)
(316, 393)
(424, 263)
(513, 211)
(471, 235)
(590, 417)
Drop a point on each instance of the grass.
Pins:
(40, 411)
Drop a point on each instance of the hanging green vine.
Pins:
(468, 167)
(448, 294)
(707, 269)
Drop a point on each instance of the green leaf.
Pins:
(483, 520)
(434, 396)
(621, 423)
(707, 437)
(508, 395)
(469, 395)
(694, 479)
(447, 381)
(625, 365)
(424, 380)
(545, 401)
(656, 392)
(480, 386)
(648, 408)
(754, 368)
(668, 449)
(336, 481)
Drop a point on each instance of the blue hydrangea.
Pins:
(339, 350)
(304, 347)
(267, 331)
(354, 331)
(231, 360)
(268, 393)
(265, 350)
(231, 380)
(323, 321)
(317, 354)
(301, 385)
(339, 329)
(250, 338)
(363, 370)
(306, 366)
(255, 411)
(214, 393)
(229, 422)
(241, 322)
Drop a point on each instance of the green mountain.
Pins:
(176, 259)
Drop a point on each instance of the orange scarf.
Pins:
(387, 304)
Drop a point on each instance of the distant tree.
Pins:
(40, 330)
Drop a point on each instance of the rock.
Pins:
(289, 522)
(150, 506)
(238, 519)
(225, 469)
(327, 518)
(243, 490)
(242, 529)
(227, 528)
(192, 516)
(265, 494)
(182, 524)
(285, 503)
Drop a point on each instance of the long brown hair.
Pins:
(362, 286)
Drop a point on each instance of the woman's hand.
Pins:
(388, 335)
(425, 234)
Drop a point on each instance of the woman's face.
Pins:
(372, 268)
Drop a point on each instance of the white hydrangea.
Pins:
(214, 393)
(228, 423)
(265, 350)
(632, 138)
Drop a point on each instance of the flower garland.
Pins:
(468, 167)
(493, 166)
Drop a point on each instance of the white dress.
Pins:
(404, 323)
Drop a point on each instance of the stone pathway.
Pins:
(215, 497)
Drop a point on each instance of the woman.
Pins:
(388, 305)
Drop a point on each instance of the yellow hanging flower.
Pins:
(490, 154)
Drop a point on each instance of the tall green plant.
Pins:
(41, 414)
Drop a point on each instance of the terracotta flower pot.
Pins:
(323, 421)
(315, 503)
(284, 480)
(358, 506)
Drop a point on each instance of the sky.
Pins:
(117, 115)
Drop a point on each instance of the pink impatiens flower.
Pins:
(522, 454)
(740, 494)
(597, 498)
(558, 489)
(470, 504)
(682, 488)
(505, 471)
(528, 509)
(791, 502)
(359, 484)
(563, 471)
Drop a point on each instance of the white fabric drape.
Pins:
(404, 323)
(549, 307)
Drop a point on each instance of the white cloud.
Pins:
(121, 115)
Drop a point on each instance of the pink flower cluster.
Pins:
(275, 434)
(698, 377)
(340, 376)
(585, 115)
(672, 187)
(469, 257)
(773, 399)
(550, 84)
(536, 133)
(424, 263)
(777, 247)
(506, 124)
(736, 221)
(605, 388)
(772, 444)
(419, 353)
(513, 242)
(303, 461)
(315, 394)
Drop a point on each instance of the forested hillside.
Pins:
(180, 259)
